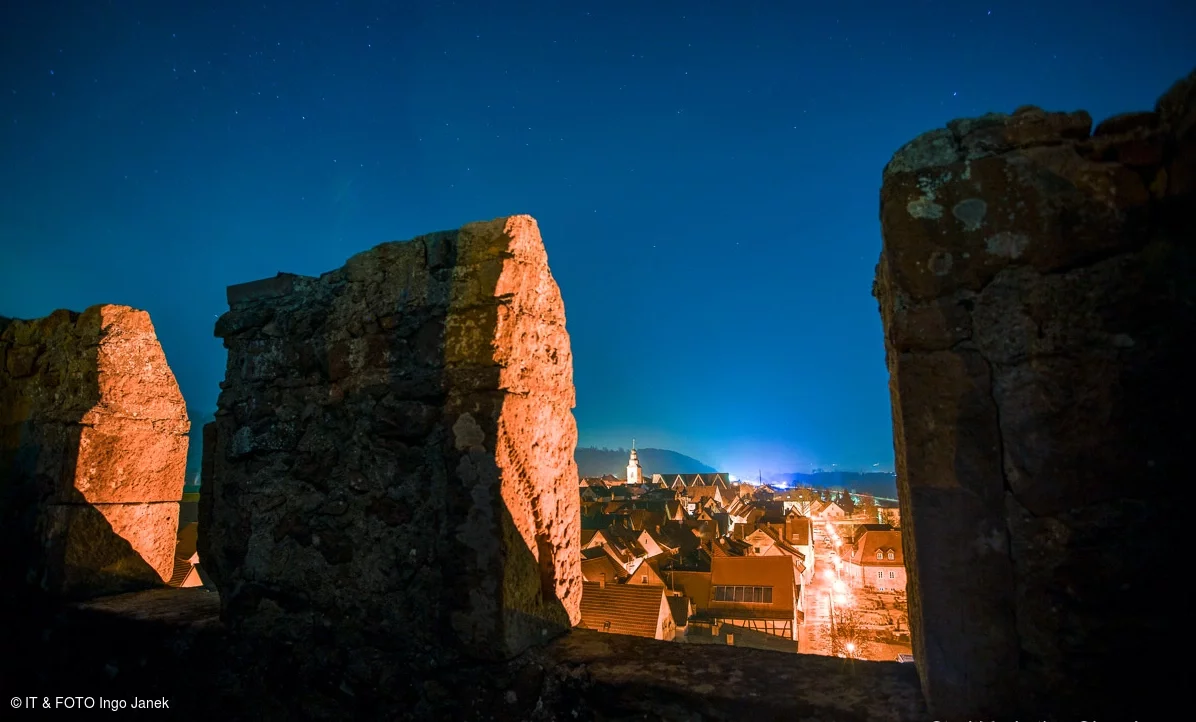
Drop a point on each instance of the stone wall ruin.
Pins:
(1036, 288)
(93, 447)
(390, 472)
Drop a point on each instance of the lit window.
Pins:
(890, 555)
(880, 554)
(892, 575)
(880, 575)
(753, 595)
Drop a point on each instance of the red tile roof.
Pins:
(629, 608)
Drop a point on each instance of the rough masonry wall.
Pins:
(93, 447)
(1036, 287)
(390, 472)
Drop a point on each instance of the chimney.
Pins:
(602, 581)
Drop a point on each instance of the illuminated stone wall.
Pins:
(1036, 289)
(390, 471)
(93, 447)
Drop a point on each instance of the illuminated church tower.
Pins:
(635, 474)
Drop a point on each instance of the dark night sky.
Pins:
(705, 174)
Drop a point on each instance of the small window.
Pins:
(606, 626)
(880, 554)
(880, 575)
(890, 555)
(644, 579)
(892, 575)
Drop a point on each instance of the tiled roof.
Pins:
(679, 606)
(593, 568)
(182, 567)
(862, 528)
(801, 530)
(695, 585)
(641, 570)
(628, 608)
(595, 521)
(705, 492)
(779, 542)
(593, 553)
(183, 552)
(882, 541)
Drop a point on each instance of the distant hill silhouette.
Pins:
(590, 461)
(877, 484)
(597, 462)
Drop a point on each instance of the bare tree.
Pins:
(848, 636)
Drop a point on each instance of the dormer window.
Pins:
(880, 554)
(890, 555)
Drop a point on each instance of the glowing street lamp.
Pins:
(839, 587)
(850, 647)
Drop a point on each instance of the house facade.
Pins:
(875, 562)
(761, 593)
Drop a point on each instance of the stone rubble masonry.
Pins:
(1036, 289)
(390, 470)
(93, 448)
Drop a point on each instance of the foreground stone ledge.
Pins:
(171, 643)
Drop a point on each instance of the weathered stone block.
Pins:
(1036, 291)
(392, 465)
(93, 448)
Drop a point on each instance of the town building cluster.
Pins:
(704, 559)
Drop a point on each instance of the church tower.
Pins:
(635, 474)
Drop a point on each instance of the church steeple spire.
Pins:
(635, 473)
